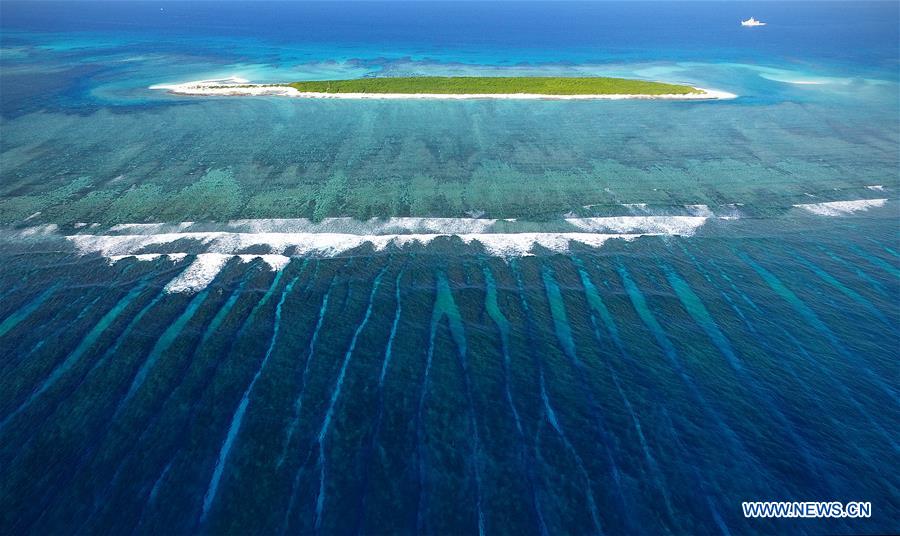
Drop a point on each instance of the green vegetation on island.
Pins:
(479, 85)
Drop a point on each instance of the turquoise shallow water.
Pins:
(265, 315)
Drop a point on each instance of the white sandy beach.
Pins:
(239, 87)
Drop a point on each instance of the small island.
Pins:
(453, 87)
(484, 85)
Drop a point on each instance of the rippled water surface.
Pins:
(268, 315)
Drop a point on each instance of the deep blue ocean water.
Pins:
(265, 315)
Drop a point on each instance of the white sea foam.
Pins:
(174, 257)
(224, 246)
(274, 262)
(398, 225)
(199, 274)
(523, 244)
(274, 241)
(842, 208)
(151, 233)
(148, 228)
(670, 225)
(699, 210)
(138, 228)
(124, 245)
(305, 237)
(142, 257)
(39, 230)
(876, 187)
(331, 244)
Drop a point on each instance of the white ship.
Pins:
(752, 22)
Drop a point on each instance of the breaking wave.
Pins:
(670, 225)
(206, 267)
(842, 208)
(276, 241)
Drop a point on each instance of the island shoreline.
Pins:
(238, 87)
